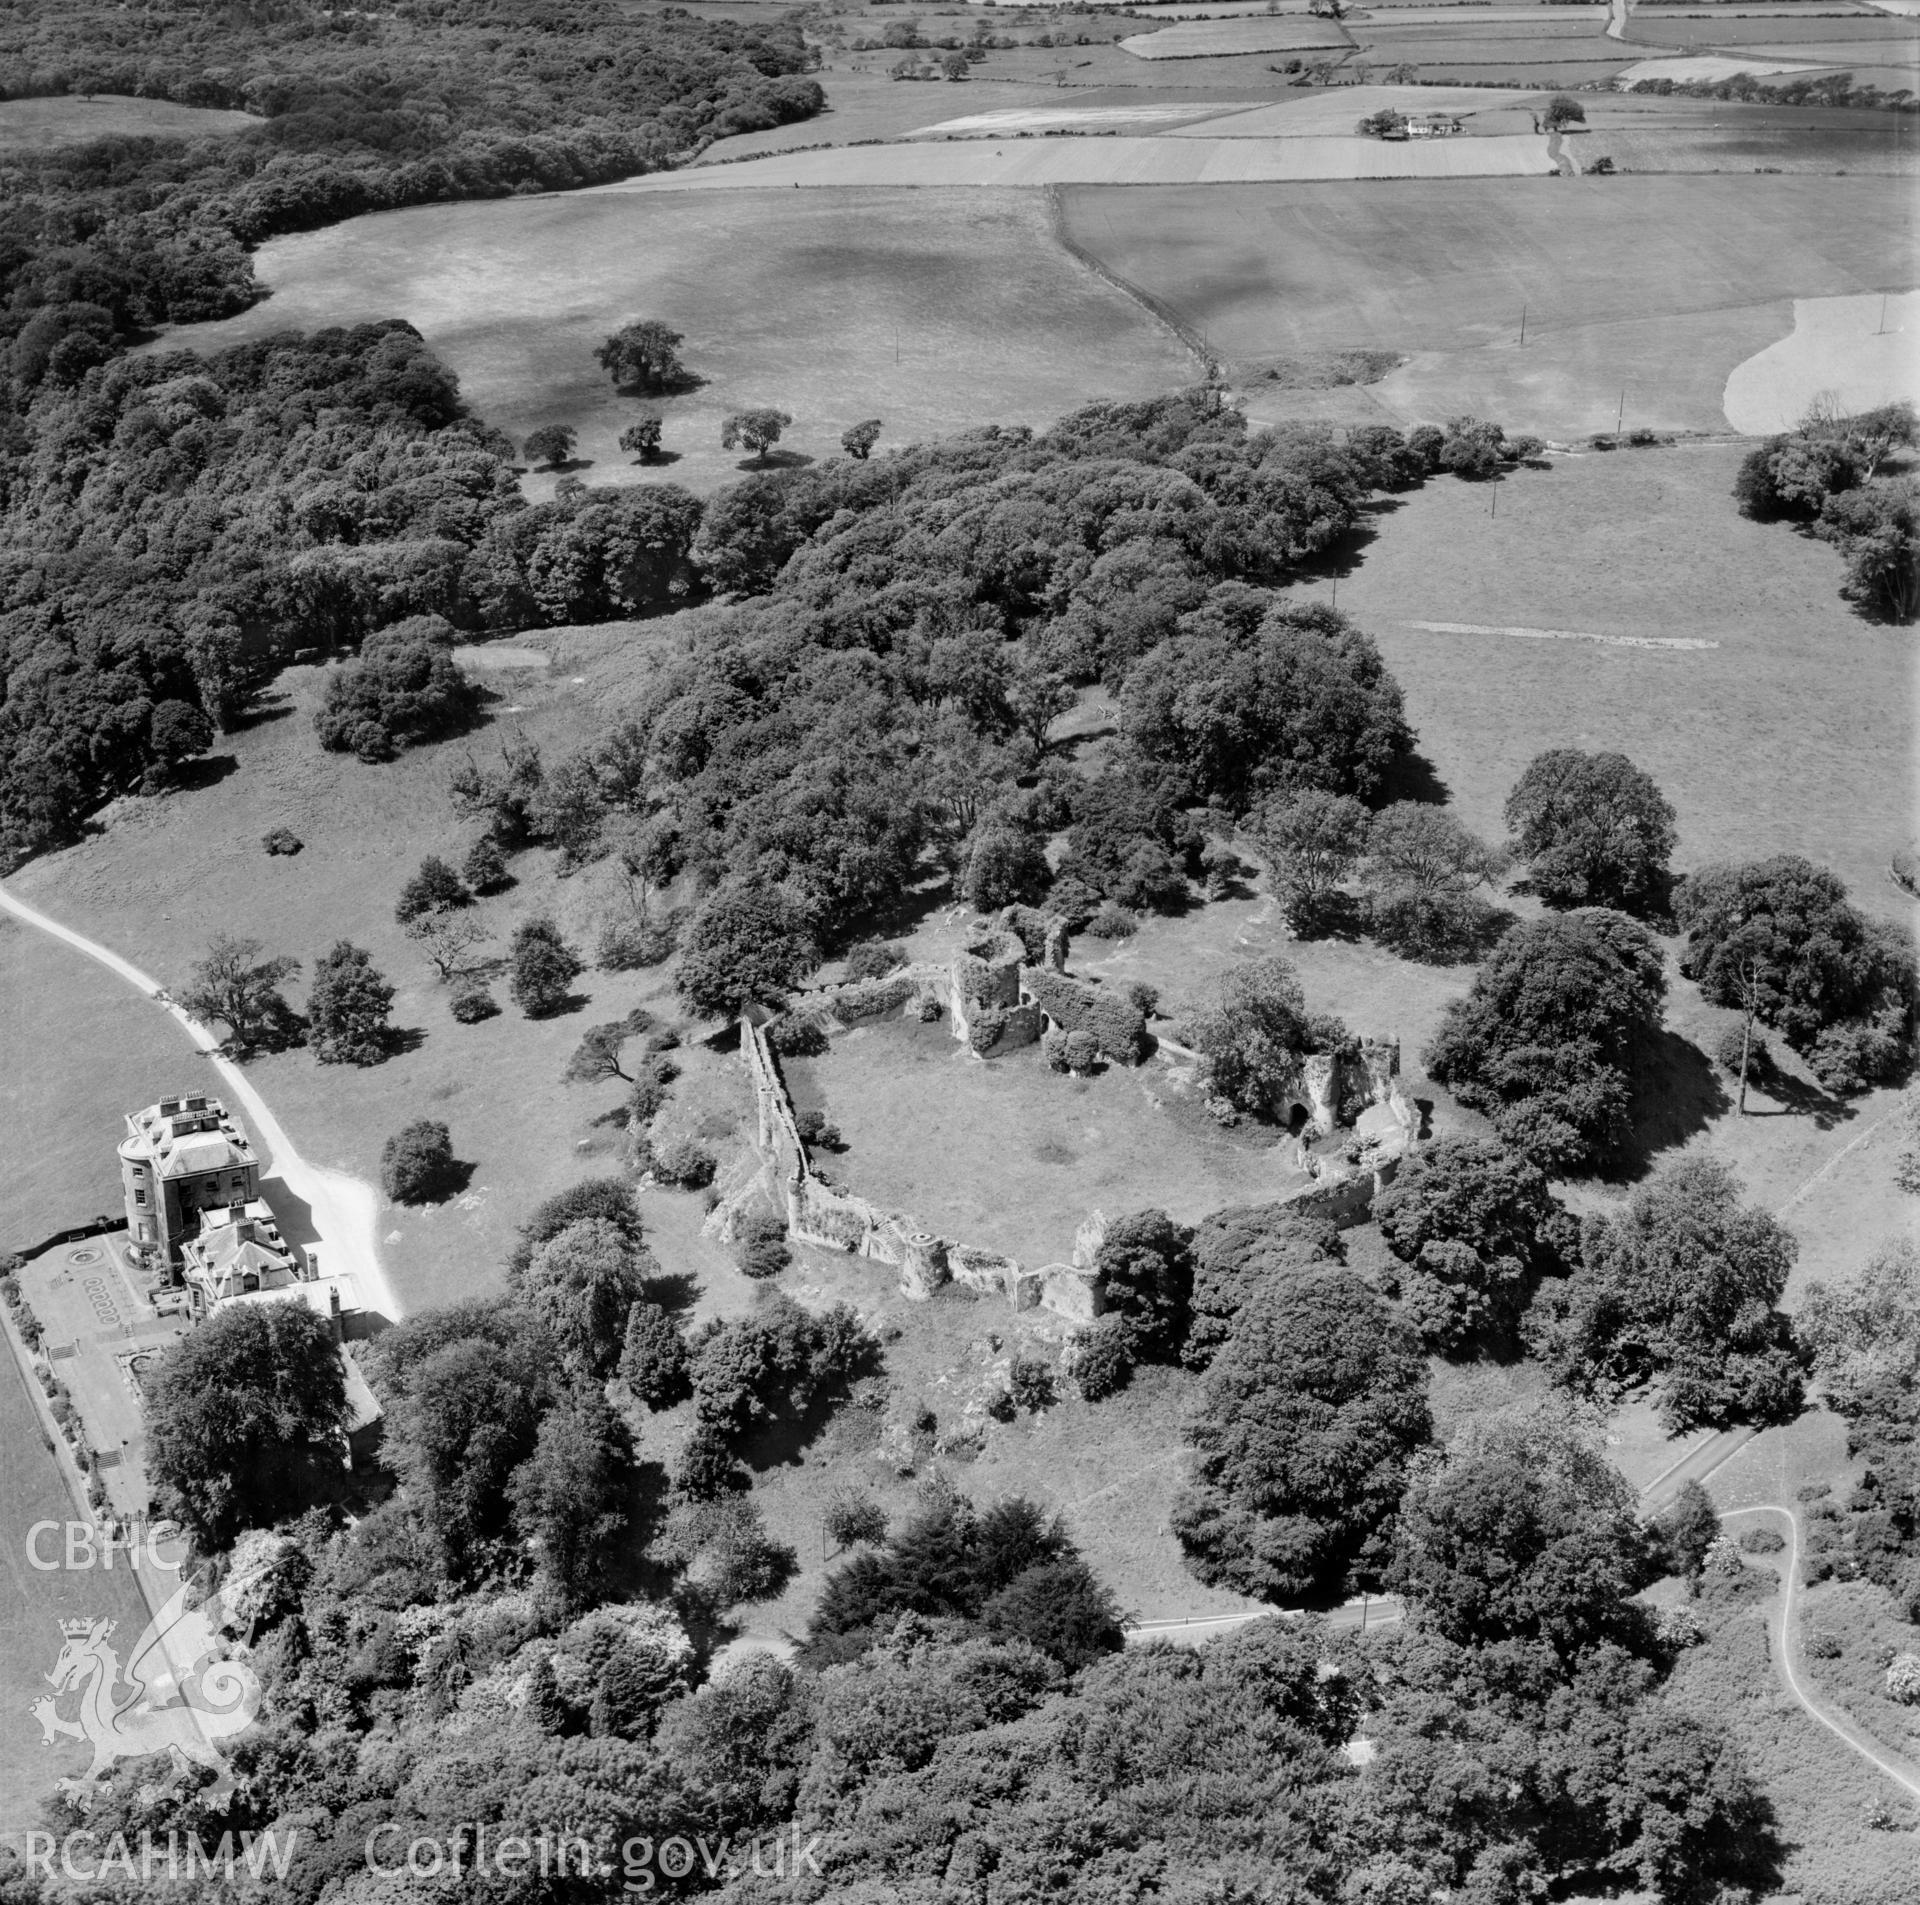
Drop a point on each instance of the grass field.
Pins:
(1112, 160)
(1654, 286)
(930, 310)
(41, 125)
(1203, 39)
(1894, 37)
(1337, 109)
(1650, 543)
(1856, 352)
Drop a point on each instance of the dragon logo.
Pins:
(182, 1698)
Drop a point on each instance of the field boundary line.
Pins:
(1057, 221)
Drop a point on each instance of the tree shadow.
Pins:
(401, 1039)
(190, 777)
(1413, 777)
(656, 459)
(562, 1008)
(675, 1291)
(260, 711)
(1677, 1092)
(769, 460)
(678, 385)
(1795, 1098)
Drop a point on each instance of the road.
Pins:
(345, 1211)
(1786, 1645)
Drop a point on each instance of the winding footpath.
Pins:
(1785, 1645)
(344, 1210)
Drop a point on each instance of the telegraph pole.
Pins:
(1523, 327)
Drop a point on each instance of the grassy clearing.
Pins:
(930, 310)
(1012, 1157)
(44, 125)
(1657, 286)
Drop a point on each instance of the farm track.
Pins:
(1784, 1646)
(344, 1210)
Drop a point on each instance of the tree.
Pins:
(582, 1283)
(1252, 1042)
(858, 439)
(1421, 870)
(854, 1520)
(1304, 1427)
(1593, 829)
(485, 867)
(1681, 1290)
(653, 1358)
(644, 355)
(573, 1497)
(544, 968)
(1256, 698)
(775, 1363)
(436, 888)
(1779, 939)
(465, 1416)
(641, 439)
(347, 1008)
(1473, 1221)
(1060, 1607)
(757, 430)
(1524, 1537)
(746, 945)
(176, 732)
(551, 444)
(1144, 1270)
(1384, 124)
(1563, 110)
(1311, 842)
(597, 1056)
(1237, 1252)
(447, 939)
(1876, 528)
(401, 689)
(417, 1164)
(1037, 697)
(954, 66)
(236, 984)
(1688, 1529)
(1548, 1039)
(245, 1418)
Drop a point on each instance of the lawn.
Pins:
(1654, 286)
(934, 311)
(42, 125)
(79, 1049)
(162, 875)
(1011, 1157)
